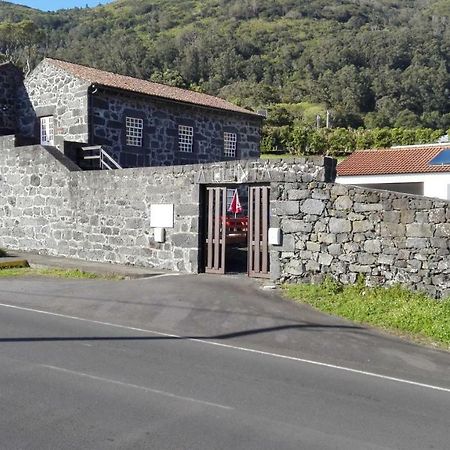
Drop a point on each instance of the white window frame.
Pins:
(185, 138)
(134, 127)
(229, 144)
(47, 130)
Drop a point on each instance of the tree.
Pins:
(19, 42)
(407, 119)
(168, 76)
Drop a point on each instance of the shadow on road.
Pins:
(156, 338)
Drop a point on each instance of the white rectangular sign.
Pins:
(161, 216)
(274, 236)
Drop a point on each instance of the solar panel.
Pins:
(442, 158)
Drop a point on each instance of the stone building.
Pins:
(137, 122)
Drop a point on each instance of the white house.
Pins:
(413, 169)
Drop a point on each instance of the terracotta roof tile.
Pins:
(411, 159)
(122, 82)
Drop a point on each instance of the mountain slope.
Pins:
(383, 62)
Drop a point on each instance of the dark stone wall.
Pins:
(47, 206)
(160, 136)
(344, 231)
(10, 80)
(49, 91)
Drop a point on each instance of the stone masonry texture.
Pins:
(92, 115)
(344, 231)
(49, 91)
(48, 205)
(160, 134)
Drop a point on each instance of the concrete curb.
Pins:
(105, 269)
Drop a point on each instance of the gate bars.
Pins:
(258, 230)
(257, 234)
(216, 229)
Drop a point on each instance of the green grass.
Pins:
(393, 309)
(306, 110)
(56, 273)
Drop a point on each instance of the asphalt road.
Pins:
(205, 363)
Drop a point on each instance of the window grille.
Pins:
(185, 138)
(134, 131)
(229, 144)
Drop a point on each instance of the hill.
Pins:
(372, 62)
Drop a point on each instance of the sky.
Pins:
(52, 5)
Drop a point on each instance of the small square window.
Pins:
(134, 131)
(185, 138)
(229, 144)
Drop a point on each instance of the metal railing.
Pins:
(96, 153)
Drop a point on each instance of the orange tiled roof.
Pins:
(388, 161)
(109, 79)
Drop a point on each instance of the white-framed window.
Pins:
(229, 144)
(134, 131)
(185, 138)
(47, 126)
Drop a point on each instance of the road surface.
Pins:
(205, 363)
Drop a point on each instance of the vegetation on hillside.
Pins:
(379, 63)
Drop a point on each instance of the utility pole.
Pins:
(328, 119)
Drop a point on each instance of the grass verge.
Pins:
(57, 273)
(394, 309)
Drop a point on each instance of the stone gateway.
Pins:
(48, 205)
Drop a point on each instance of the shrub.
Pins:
(301, 139)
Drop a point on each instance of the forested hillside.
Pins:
(371, 62)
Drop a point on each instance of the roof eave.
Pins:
(383, 174)
(171, 100)
(166, 99)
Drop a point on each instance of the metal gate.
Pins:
(216, 202)
(258, 230)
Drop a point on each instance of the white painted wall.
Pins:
(435, 185)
